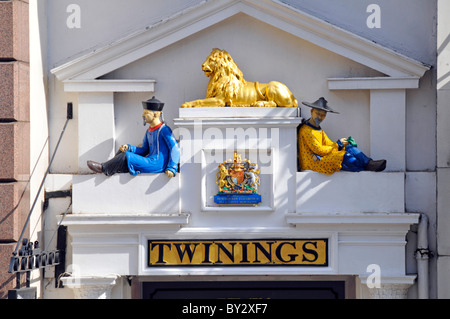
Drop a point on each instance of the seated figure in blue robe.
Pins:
(159, 152)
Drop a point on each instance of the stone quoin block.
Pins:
(14, 91)
(15, 151)
(7, 280)
(14, 208)
(14, 39)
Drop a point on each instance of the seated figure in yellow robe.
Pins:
(318, 153)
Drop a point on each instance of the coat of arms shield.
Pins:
(238, 182)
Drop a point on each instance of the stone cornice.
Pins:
(144, 42)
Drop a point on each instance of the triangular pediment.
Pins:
(141, 43)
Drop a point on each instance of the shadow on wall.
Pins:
(348, 192)
(124, 193)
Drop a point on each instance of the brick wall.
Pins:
(14, 131)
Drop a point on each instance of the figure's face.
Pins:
(317, 116)
(151, 117)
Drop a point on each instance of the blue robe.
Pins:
(159, 152)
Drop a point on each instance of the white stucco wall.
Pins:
(410, 36)
(39, 146)
(65, 43)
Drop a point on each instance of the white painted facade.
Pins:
(382, 81)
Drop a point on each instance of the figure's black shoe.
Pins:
(376, 166)
(95, 166)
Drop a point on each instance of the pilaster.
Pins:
(96, 124)
(388, 107)
(266, 136)
(91, 287)
(386, 288)
(95, 128)
(390, 291)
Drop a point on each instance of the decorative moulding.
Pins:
(91, 287)
(375, 83)
(238, 122)
(241, 112)
(345, 220)
(109, 86)
(125, 219)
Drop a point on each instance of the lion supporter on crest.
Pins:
(318, 153)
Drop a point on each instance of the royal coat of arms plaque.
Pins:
(238, 182)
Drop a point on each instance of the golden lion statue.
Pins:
(227, 86)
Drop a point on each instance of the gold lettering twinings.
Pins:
(300, 252)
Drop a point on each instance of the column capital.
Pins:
(91, 287)
(387, 287)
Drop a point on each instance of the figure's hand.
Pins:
(123, 148)
(344, 142)
(169, 174)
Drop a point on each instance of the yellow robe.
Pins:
(314, 142)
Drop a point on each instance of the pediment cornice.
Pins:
(141, 43)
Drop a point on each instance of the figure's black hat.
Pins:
(153, 104)
(321, 104)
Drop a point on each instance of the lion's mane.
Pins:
(227, 79)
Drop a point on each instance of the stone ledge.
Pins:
(347, 192)
(238, 122)
(109, 86)
(374, 83)
(125, 219)
(238, 112)
(317, 220)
